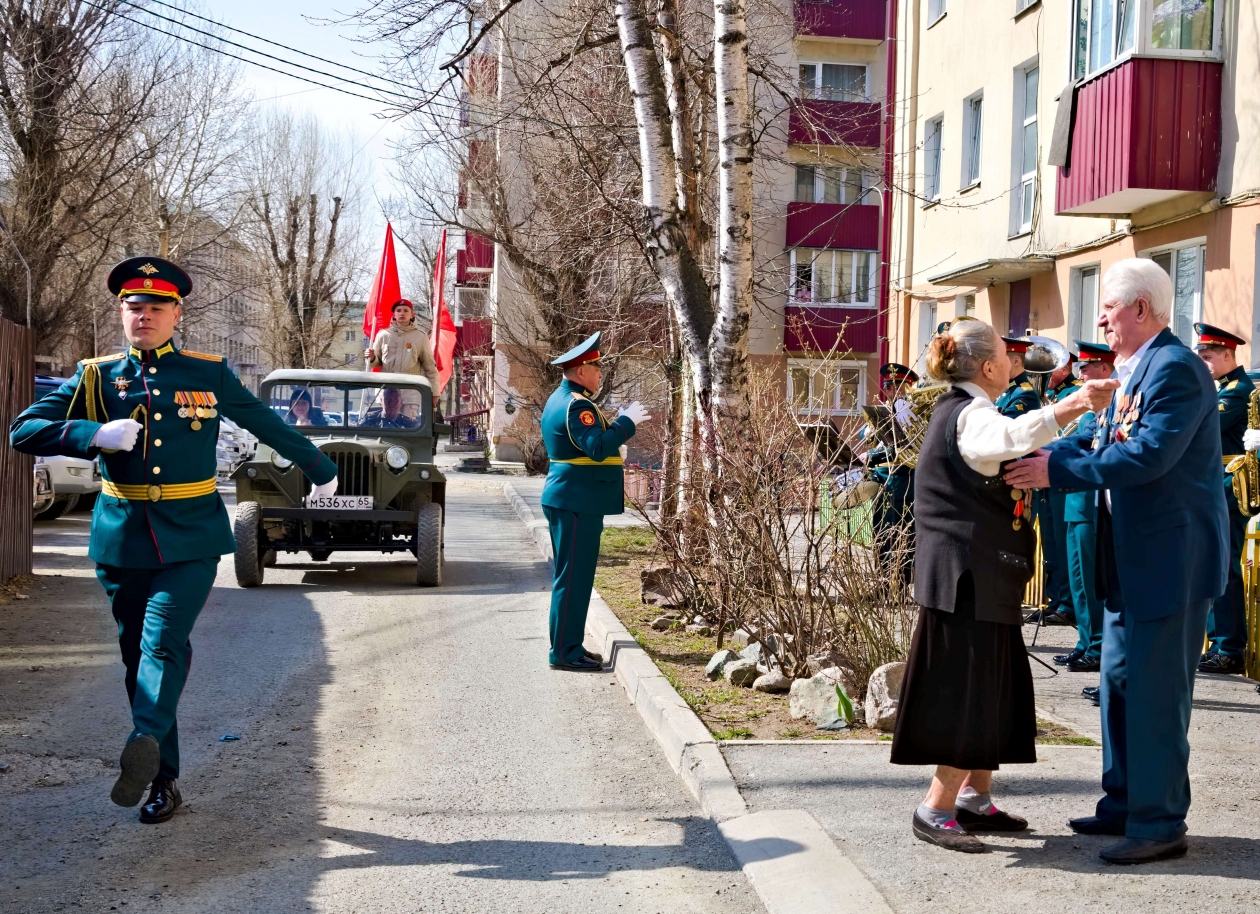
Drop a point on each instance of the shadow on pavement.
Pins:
(1228, 857)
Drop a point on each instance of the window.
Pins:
(965, 305)
(1083, 306)
(936, 9)
(817, 184)
(832, 388)
(1104, 33)
(349, 336)
(1026, 147)
(1183, 25)
(973, 122)
(836, 82)
(1021, 5)
(927, 330)
(350, 358)
(932, 158)
(1184, 265)
(839, 277)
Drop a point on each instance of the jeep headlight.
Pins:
(280, 463)
(397, 457)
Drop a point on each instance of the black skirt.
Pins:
(967, 696)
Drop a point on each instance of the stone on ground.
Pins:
(740, 672)
(658, 586)
(661, 623)
(815, 698)
(717, 663)
(774, 681)
(698, 629)
(883, 695)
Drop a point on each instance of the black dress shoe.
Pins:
(1050, 617)
(1083, 665)
(1219, 663)
(1092, 825)
(581, 665)
(163, 800)
(1065, 659)
(138, 766)
(591, 655)
(954, 839)
(1143, 850)
(994, 820)
(1091, 691)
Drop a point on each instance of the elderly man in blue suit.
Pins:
(1163, 547)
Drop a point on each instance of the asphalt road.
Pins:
(400, 749)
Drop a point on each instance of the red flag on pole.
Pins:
(385, 291)
(442, 336)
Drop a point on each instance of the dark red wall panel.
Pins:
(819, 328)
(860, 19)
(833, 225)
(816, 122)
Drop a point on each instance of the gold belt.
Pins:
(159, 493)
(588, 462)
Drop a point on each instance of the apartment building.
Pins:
(1040, 141)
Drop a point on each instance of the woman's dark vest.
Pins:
(963, 521)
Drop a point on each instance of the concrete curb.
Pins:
(787, 855)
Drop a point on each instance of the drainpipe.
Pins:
(885, 240)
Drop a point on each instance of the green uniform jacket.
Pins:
(1018, 399)
(1231, 401)
(145, 386)
(574, 429)
(1070, 386)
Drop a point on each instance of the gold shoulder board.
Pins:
(1025, 386)
(105, 358)
(201, 355)
(1231, 385)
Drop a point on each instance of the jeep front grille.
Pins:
(354, 471)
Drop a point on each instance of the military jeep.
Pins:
(379, 430)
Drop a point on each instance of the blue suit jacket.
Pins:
(1169, 523)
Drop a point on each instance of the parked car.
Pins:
(234, 446)
(43, 493)
(72, 478)
(390, 496)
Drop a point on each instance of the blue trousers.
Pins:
(575, 545)
(1081, 537)
(1227, 622)
(1147, 686)
(1050, 511)
(155, 609)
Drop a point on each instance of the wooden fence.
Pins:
(17, 369)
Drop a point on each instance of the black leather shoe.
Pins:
(1092, 825)
(994, 820)
(954, 839)
(1065, 659)
(1050, 617)
(163, 800)
(581, 665)
(1082, 665)
(591, 655)
(1143, 850)
(138, 766)
(1219, 663)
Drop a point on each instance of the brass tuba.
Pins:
(1043, 358)
(1246, 468)
(922, 402)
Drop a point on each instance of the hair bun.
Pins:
(946, 346)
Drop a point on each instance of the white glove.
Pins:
(327, 490)
(635, 412)
(1251, 439)
(119, 435)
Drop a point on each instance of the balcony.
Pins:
(827, 328)
(833, 225)
(475, 263)
(856, 20)
(1145, 132)
(820, 122)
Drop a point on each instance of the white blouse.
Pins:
(986, 438)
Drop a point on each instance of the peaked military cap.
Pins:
(153, 278)
(1095, 352)
(1016, 344)
(581, 354)
(900, 373)
(942, 327)
(1215, 336)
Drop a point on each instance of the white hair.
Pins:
(1136, 277)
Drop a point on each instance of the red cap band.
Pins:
(148, 287)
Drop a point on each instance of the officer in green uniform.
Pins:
(584, 483)
(1062, 383)
(152, 415)
(1227, 622)
(896, 500)
(1097, 362)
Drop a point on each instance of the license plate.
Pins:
(341, 502)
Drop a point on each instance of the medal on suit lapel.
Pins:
(121, 385)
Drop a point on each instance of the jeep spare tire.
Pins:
(429, 545)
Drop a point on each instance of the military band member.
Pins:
(896, 501)
(584, 483)
(1058, 588)
(152, 415)
(1227, 622)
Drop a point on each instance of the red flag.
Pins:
(442, 336)
(385, 291)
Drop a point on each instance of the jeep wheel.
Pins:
(429, 545)
(246, 531)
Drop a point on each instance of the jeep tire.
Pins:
(429, 545)
(246, 531)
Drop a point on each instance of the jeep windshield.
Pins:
(348, 406)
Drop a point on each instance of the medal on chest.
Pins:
(1128, 411)
(196, 405)
(121, 385)
(1022, 506)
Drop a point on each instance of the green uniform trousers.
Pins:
(1081, 536)
(1050, 511)
(575, 545)
(1227, 622)
(155, 609)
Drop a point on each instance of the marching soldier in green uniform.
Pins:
(1227, 622)
(896, 498)
(152, 415)
(584, 483)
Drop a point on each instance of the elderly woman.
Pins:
(967, 697)
(404, 348)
